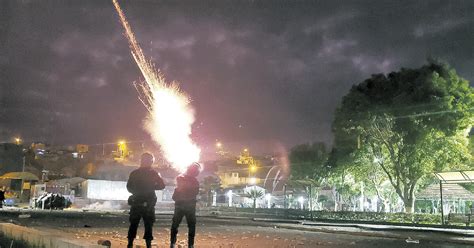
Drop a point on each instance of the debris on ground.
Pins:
(412, 241)
(104, 242)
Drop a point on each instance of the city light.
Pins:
(214, 198)
(122, 148)
(253, 168)
(253, 180)
(301, 201)
(229, 195)
(268, 197)
(219, 145)
(17, 141)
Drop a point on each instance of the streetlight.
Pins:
(214, 198)
(219, 145)
(122, 148)
(253, 181)
(229, 195)
(268, 197)
(18, 142)
(301, 201)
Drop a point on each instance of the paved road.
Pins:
(214, 233)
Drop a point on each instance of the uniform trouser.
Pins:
(148, 216)
(181, 210)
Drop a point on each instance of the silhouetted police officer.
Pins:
(187, 188)
(142, 183)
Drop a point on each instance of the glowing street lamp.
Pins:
(229, 195)
(253, 181)
(122, 148)
(214, 198)
(219, 145)
(268, 197)
(17, 140)
(301, 201)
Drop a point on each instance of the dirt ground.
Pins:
(211, 232)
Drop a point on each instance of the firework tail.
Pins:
(170, 115)
(145, 66)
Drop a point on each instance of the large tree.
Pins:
(408, 123)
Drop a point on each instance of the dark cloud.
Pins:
(259, 72)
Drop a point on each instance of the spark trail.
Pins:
(170, 114)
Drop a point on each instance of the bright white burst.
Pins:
(170, 114)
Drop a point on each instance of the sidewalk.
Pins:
(444, 234)
(382, 227)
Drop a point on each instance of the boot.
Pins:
(148, 243)
(172, 245)
(130, 243)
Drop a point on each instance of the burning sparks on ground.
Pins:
(170, 115)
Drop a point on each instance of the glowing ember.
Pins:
(170, 115)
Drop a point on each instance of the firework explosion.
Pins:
(170, 115)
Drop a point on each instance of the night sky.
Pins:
(260, 73)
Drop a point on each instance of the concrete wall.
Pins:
(105, 190)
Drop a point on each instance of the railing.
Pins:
(341, 216)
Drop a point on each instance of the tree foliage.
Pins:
(254, 194)
(309, 163)
(471, 149)
(408, 124)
